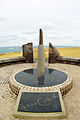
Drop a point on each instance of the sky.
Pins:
(20, 21)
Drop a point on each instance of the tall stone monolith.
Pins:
(41, 62)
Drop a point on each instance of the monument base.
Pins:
(35, 105)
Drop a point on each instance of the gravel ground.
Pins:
(8, 99)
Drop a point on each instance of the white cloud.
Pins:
(47, 24)
(20, 20)
(3, 17)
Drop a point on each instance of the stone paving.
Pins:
(8, 99)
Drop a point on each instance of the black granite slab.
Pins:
(39, 102)
(30, 77)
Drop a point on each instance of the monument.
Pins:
(41, 62)
(40, 89)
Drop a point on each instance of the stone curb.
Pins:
(68, 60)
(62, 59)
(8, 61)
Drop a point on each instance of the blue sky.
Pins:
(20, 21)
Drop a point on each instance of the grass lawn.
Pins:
(68, 52)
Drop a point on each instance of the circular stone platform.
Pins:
(29, 80)
(29, 77)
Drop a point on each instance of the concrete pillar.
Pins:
(41, 62)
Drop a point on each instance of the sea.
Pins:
(19, 48)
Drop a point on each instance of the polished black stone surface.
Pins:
(29, 77)
(39, 102)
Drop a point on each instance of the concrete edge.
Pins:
(62, 59)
